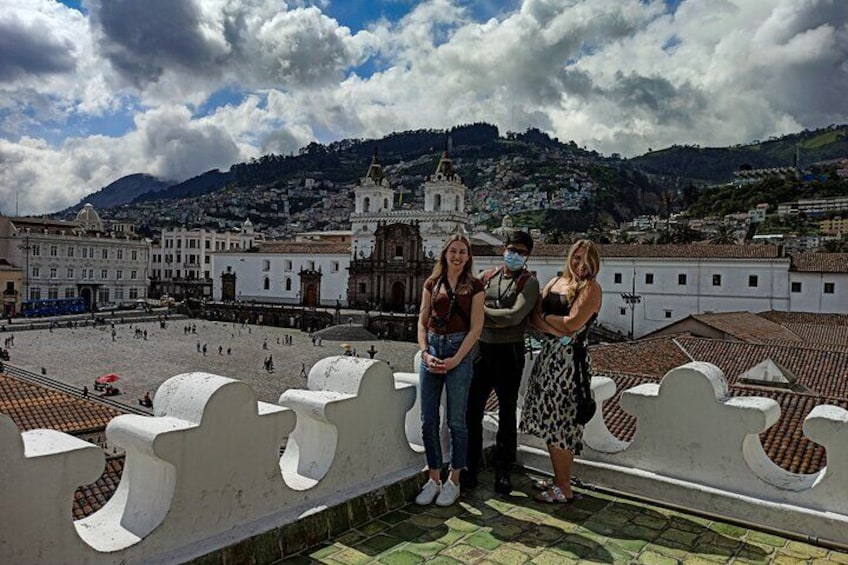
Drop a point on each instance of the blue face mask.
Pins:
(513, 260)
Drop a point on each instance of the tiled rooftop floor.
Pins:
(488, 528)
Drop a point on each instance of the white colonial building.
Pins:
(181, 261)
(443, 213)
(62, 259)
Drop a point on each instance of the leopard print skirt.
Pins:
(550, 407)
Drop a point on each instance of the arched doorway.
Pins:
(398, 295)
(311, 296)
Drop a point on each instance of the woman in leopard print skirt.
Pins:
(568, 306)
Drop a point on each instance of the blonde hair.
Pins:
(466, 277)
(592, 261)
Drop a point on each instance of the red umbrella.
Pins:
(107, 378)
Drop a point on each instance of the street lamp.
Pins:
(631, 299)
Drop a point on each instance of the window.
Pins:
(133, 294)
(103, 296)
(70, 254)
(133, 275)
(179, 244)
(287, 265)
(84, 253)
(52, 272)
(178, 274)
(91, 274)
(179, 258)
(35, 250)
(192, 244)
(288, 283)
(70, 273)
(120, 254)
(311, 265)
(334, 266)
(207, 244)
(36, 272)
(52, 293)
(104, 273)
(829, 288)
(622, 311)
(69, 293)
(53, 251)
(134, 255)
(362, 288)
(398, 250)
(35, 293)
(84, 274)
(681, 279)
(104, 253)
(796, 287)
(649, 278)
(753, 281)
(668, 314)
(119, 274)
(716, 280)
(119, 294)
(206, 260)
(266, 284)
(617, 278)
(205, 274)
(266, 265)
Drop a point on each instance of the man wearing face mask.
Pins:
(511, 295)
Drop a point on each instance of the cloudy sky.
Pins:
(93, 90)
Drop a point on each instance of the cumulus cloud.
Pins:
(614, 75)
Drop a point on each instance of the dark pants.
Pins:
(499, 369)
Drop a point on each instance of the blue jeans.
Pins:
(456, 382)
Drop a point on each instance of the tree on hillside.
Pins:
(723, 236)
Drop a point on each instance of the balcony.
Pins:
(204, 476)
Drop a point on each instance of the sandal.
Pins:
(543, 484)
(554, 495)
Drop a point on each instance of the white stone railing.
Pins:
(205, 473)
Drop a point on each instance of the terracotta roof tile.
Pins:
(654, 251)
(647, 357)
(784, 442)
(31, 406)
(805, 318)
(91, 498)
(747, 326)
(820, 334)
(311, 247)
(820, 262)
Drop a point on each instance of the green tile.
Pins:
(357, 511)
(574, 547)
(350, 556)
(298, 560)
(424, 548)
(652, 558)
(677, 538)
(651, 520)
(665, 550)
(350, 538)
(442, 535)
(542, 535)
(484, 540)
(728, 530)
(786, 560)
(550, 557)
(461, 525)
(697, 560)
(714, 552)
(401, 557)
(323, 550)
(560, 524)
(445, 511)
(837, 557)
(378, 544)
(505, 555)
(405, 531)
(443, 560)
(633, 546)
(426, 521)
(688, 524)
(609, 554)
(766, 539)
(464, 553)
(506, 529)
(395, 517)
(373, 527)
(751, 554)
(804, 550)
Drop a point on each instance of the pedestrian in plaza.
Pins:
(558, 400)
(449, 322)
(511, 295)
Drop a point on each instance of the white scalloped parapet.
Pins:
(696, 446)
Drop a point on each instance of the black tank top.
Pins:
(557, 304)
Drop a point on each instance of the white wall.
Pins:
(812, 297)
(250, 275)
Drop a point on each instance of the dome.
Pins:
(89, 219)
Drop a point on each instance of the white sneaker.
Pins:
(430, 491)
(449, 494)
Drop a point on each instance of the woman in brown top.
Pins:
(449, 322)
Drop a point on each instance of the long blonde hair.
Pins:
(592, 260)
(466, 277)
